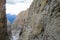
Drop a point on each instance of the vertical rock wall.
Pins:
(43, 21)
(3, 26)
(44, 18)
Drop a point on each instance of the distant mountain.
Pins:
(10, 17)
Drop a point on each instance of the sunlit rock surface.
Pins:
(3, 23)
(43, 21)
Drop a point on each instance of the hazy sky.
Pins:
(16, 6)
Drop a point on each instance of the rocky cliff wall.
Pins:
(20, 19)
(3, 26)
(18, 24)
(43, 21)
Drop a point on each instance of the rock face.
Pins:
(18, 25)
(44, 18)
(21, 18)
(3, 25)
(43, 21)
